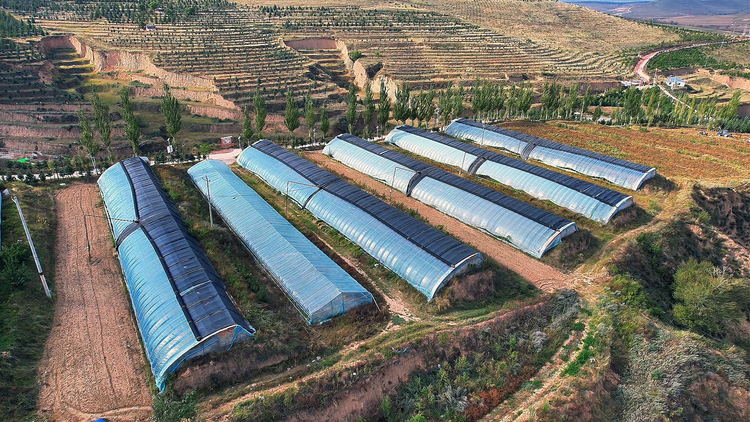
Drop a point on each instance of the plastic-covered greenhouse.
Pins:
(619, 172)
(422, 255)
(593, 201)
(317, 287)
(524, 226)
(180, 302)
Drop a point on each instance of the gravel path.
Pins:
(92, 366)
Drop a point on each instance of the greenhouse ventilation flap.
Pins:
(617, 171)
(316, 285)
(593, 201)
(180, 302)
(523, 226)
(422, 255)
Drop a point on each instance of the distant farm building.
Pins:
(628, 84)
(150, 27)
(675, 82)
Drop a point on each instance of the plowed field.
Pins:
(92, 366)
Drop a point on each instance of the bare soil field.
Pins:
(92, 365)
(539, 274)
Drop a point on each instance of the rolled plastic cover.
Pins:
(588, 199)
(180, 302)
(316, 285)
(422, 255)
(521, 225)
(617, 171)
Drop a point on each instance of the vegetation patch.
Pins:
(25, 312)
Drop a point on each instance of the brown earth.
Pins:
(92, 365)
(539, 274)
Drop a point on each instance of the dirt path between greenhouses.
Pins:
(541, 275)
(92, 365)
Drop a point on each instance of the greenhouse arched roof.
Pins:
(593, 201)
(316, 285)
(615, 170)
(422, 255)
(180, 302)
(522, 225)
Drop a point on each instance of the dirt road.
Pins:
(541, 275)
(92, 366)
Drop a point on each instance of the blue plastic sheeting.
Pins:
(593, 201)
(180, 302)
(422, 255)
(524, 226)
(619, 172)
(318, 287)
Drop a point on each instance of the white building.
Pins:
(675, 82)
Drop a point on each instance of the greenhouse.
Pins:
(422, 255)
(616, 171)
(180, 302)
(593, 201)
(316, 285)
(523, 226)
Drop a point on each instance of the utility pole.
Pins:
(208, 191)
(33, 249)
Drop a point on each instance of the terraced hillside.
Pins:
(429, 48)
(235, 48)
(40, 84)
(576, 33)
(226, 49)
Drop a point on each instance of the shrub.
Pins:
(14, 269)
(169, 408)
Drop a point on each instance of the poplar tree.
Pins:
(369, 111)
(87, 137)
(260, 112)
(291, 117)
(172, 114)
(325, 124)
(132, 130)
(384, 105)
(351, 107)
(103, 122)
(247, 126)
(401, 108)
(310, 116)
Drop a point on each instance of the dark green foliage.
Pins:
(103, 122)
(708, 301)
(384, 106)
(351, 107)
(172, 110)
(583, 357)
(14, 271)
(325, 124)
(26, 314)
(688, 57)
(401, 108)
(169, 408)
(247, 126)
(354, 55)
(260, 112)
(87, 136)
(291, 117)
(310, 115)
(132, 125)
(369, 110)
(654, 257)
(10, 27)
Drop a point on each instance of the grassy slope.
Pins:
(25, 312)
